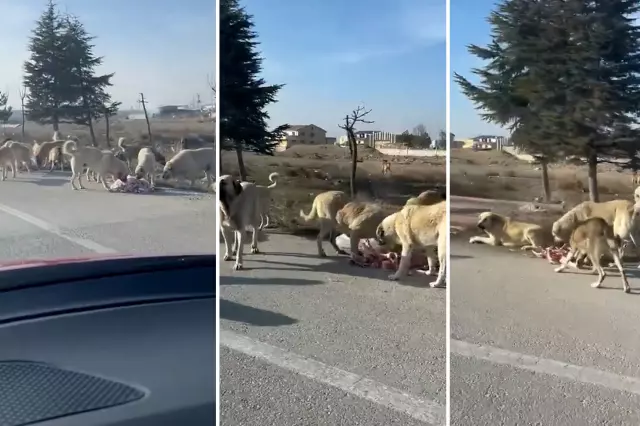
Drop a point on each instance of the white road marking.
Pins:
(551, 367)
(427, 411)
(53, 229)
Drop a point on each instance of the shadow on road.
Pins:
(459, 256)
(233, 311)
(242, 280)
(47, 182)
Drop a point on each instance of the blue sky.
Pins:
(468, 26)
(334, 55)
(162, 48)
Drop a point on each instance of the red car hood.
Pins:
(15, 264)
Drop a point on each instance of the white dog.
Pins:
(239, 205)
(190, 164)
(103, 163)
(146, 165)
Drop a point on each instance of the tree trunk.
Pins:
(354, 163)
(592, 164)
(106, 120)
(544, 165)
(92, 133)
(23, 120)
(241, 167)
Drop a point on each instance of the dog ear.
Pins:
(237, 187)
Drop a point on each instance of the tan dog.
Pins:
(386, 167)
(190, 164)
(41, 151)
(102, 163)
(359, 220)
(56, 157)
(427, 198)
(239, 210)
(7, 160)
(635, 178)
(21, 153)
(324, 209)
(146, 167)
(510, 233)
(617, 213)
(595, 238)
(417, 228)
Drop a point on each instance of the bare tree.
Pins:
(143, 102)
(23, 94)
(420, 130)
(356, 116)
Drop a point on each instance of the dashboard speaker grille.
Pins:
(32, 392)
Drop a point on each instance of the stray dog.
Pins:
(617, 213)
(7, 160)
(239, 209)
(324, 209)
(21, 153)
(359, 220)
(427, 198)
(265, 199)
(146, 167)
(386, 167)
(56, 157)
(595, 238)
(190, 163)
(41, 151)
(102, 163)
(509, 233)
(128, 153)
(417, 227)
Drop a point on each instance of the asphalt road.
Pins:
(41, 217)
(533, 347)
(316, 341)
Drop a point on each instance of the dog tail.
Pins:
(121, 143)
(273, 179)
(70, 147)
(312, 214)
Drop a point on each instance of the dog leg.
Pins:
(439, 282)
(625, 282)
(72, 181)
(254, 241)
(565, 262)
(492, 241)
(405, 263)
(227, 234)
(321, 235)
(601, 277)
(240, 235)
(332, 239)
(354, 243)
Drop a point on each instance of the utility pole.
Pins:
(143, 102)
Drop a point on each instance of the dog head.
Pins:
(386, 232)
(167, 170)
(228, 190)
(489, 220)
(563, 227)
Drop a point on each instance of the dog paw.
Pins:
(559, 269)
(227, 258)
(627, 290)
(237, 267)
(436, 284)
(345, 253)
(595, 285)
(323, 254)
(394, 277)
(472, 240)
(254, 250)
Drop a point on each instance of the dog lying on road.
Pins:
(324, 209)
(417, 227)
(510, 233)
(595, 238)
(239, 205)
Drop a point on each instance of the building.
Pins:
(331, 140)
(489, 142)
(302, 134)
(372, 138)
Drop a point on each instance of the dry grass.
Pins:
(306, 171)
(499, 175)
(165, 134)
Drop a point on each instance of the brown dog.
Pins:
(386, 167)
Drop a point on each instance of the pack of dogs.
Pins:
(144, 162)
(592, 231)
(421, 224)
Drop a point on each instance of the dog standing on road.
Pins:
(595, 238)
(359, 219)
(324, 209)
(414, 228)
(239, 209)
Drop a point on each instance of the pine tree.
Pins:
(89, 91)
(5, 110)
(44, 70)
(244, 94)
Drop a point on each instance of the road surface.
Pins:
(533, 347)
(309, 341)
(41, 217)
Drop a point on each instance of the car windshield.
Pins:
(99, 134)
